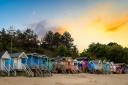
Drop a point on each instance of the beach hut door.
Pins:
(7, 62)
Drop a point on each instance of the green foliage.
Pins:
(67, 40)
(52, 44)
(60, 44)
(47, 41)
(111, 51)
(63, 51)
(4, 39)
(25, 40)
(56, 44)
(74, 52)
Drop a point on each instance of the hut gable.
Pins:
(4, 55)
(18, 55)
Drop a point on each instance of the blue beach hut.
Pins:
(34, 60)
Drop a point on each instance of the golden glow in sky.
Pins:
(104, 23)
(88, 21)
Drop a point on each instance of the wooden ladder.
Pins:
(5, 69)
(38, 71)
(12, 69)
(27, 70)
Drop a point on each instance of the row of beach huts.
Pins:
(20, 63)
(36, 65)
(84, 65)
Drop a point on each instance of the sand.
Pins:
(68, 79)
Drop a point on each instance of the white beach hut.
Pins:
(19, 59)
(5, 61)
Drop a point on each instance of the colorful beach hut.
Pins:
(45, 61)
(34, 60)
(5, 61)
(126, 69)
(38, 63)
(19, 59)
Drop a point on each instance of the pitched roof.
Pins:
(15, 55)
(19, 54)
(37, 55)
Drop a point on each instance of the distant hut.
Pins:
(126, 69)
(19, 59)
(44, 60)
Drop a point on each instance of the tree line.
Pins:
(111, 52)
(54, 44)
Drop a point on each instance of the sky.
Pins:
(87, 21)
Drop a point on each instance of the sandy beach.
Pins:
(68, 79)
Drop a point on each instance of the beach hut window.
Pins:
(24, 60)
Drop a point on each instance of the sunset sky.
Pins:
(88, 21)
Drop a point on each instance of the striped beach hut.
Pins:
(38, 64)
(36, 60)
(19, 59)
(5, 60)
(6, 63)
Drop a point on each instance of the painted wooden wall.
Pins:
(35, 60)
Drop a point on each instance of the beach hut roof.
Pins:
(37, 55)
(81, 58)
(34, 54)
(4, 54)
(42, 55)
(18, 55)
(57, 59)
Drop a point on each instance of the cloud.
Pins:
(102, 22)
(61, 30)
(116, 25)
(41, 27)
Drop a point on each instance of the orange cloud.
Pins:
(116, 25)
(104, 23)
(61, 30)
